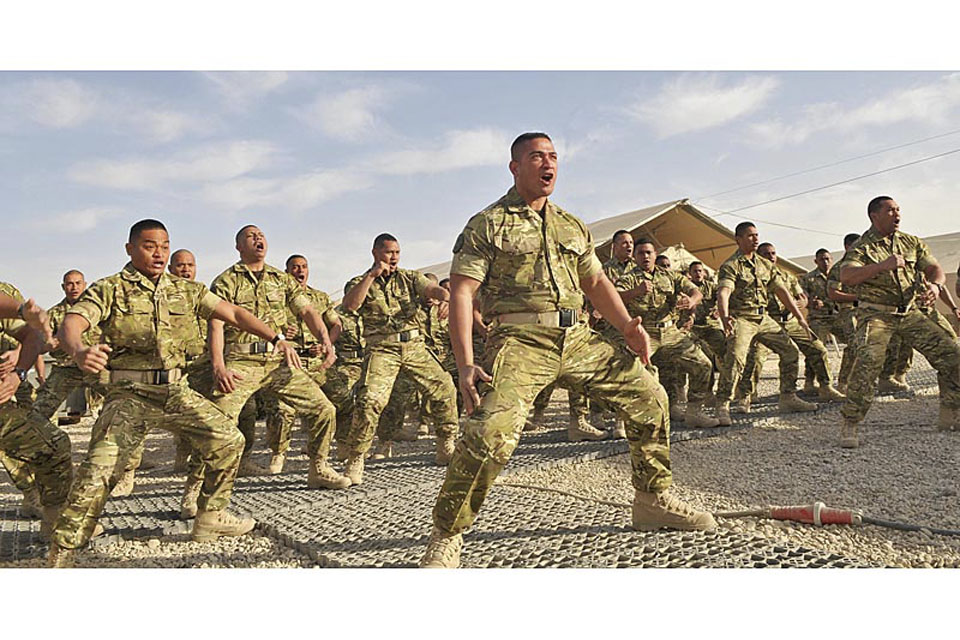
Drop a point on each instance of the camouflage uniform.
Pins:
(706, 329)
(886, 309)
(532, 264)
(670, 348)
(342, 377)
(752, 282)
(829, 319)
(395, 346)
(268, 296)
(148, 326)
(814, 352)
(26, 393)
(280, 417)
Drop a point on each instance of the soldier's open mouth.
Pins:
(546, 178)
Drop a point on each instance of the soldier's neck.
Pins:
(255, 266)
(538, 204)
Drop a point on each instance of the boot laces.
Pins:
(673, 504)
(445, 548)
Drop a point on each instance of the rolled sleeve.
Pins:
(207, 303)
(726, 278)
(589, 264)
(473, 252)
(925, 257)
(94, 305)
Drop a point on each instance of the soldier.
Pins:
(621, 259)
(242, 365)
(345, 373)
(535, 261)
(38, 450)
(825, 318)
(280, 417)
(10, 350)
(656, 294)
(706, 326)
(813, 350)
(663, 261)
(883, 269)
(147, 317)
(388, 299)
(745, 284)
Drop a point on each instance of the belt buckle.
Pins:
(161, 376)
(258, 347)
(902, 309)
(404, 336)
(568, 317)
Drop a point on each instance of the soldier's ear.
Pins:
(129, 248)
(513, 167)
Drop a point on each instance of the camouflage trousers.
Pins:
(813, 350)
(130, 412)
(578, 403)
(339, 388)
(713, 343)
(767, 331)
(404, 398)
(281, 417)
(898, 358)
(32, 444)
(270, 375)
(843, 327)
(676, 352)
(381, 366)
(875, 330)
(523, 359)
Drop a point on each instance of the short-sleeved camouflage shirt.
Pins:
(351, 333)
(148, 325)
(752, 282)
(900, 286)
(814, 283)
(320, 302)
(659, 304)
(527, 262)
(10, 326)
(704, 310)
(56, 314)
(613, 268)
(392, 303)
(267, 295)
(774, 307)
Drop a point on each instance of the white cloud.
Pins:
(239, 88)
(932, 103)
(295, 193)
(59, 103)
(459, 149)
(202, 164)
(350, 115)
(75, 221)
(162, 125)
(693, 102)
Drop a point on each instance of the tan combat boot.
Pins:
(620, 431)
(829, 393)
(580, 429)
(948, 418)
(446, 442)
(443, 550)
(188, 503)
(124, 486)
(723, 414)
(790, 403)
(652, 511)
(383, 450)
(809, 386)
(697, 419)
(901, 380)
(741, 405)
(59, 558)
(677, 413)
(533, 423)
(277, 461)
(848, 435)
(341, 453)
(210, 525)
(891, 385)
(353, 468)
(322, 476)
(409, 433)
(423, 430)
(250, 468)
(31, 506)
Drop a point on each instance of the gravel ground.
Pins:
(790, 460)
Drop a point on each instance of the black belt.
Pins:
(305, 353)
(784, 316)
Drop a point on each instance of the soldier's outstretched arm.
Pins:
(317, 327)
(32, 344)
(784, 296)
(606, 299)
(462, 292)
(723, 310)
(246, 321)
(90, 359)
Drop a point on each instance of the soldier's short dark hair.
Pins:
(242, 229)
(444, 281)
(431, 276)
(73, 271)
(763, 245)
(294, 256)
(850, 238)
(144, 225)
(820, 252)
(642, 240)
(874, 205)
(619, 233)
(179, 251)
(742, 227)
(661, 258)
(382, 239)
(522, 139)
(693, 264)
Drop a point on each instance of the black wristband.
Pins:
(276, 339)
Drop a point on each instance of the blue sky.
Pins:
(323, 161)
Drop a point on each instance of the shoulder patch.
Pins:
(458, 244)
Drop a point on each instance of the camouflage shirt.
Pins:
(392, 304)
(752, 282)
(351, 333)
(10, 326)
(614, 268)
(814, 283)
(526, 262)
(268, 296)
(704, 311)
(900, 286)
(774, 307)
(320, 302)
(149, 326)
(833, 281)
(659, 304)
(90, 337)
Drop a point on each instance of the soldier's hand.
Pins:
(644, 288)
(637, 339)
(9, 383)
(290, 332)
(93, 359)
(806, 327)
(34, 315)
(316, 350)
(929, 297)
(816, 303)
(894, 262)
(226, 379)
(469, 376)
(379, 268)
(290, 354)
(727, 323)
(443, 310)
(8, 362)
(688, 324)
(683, 302)
(330, 359)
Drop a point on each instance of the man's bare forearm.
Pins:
(71, 332)
(606, 299)
(462, 290)
(355, 297)
(314, 322)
